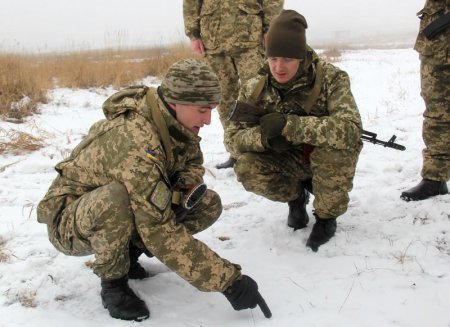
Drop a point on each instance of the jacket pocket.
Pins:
(430, 13)
(248, 27)
(209, 24)
(437, 48)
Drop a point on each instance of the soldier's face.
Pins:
(283, 69)
(193, 117)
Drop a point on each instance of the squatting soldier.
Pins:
(433, 45)
(308, 139)
(135, 184)
(230, 34)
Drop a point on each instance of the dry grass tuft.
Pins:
(17, 142)
(27, 299)
(22, 86)
(24, 79)
(4, 257)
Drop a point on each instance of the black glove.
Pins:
(271, 128)
(180, 212)
(243, 294)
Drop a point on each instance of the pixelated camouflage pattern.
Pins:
(233, 70)
(333, 126)
(230, 25)
(232, 33)
(99, 222)
(435, 85)
(115, 151)
(191, 82)
(435, 91)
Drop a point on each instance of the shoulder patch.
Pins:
(161, 196)
(154, 154)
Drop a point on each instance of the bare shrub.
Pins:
(17, 142)
(26, 298)
(332, 54)
(4, 257)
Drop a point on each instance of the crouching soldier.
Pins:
(307, 139)
(135, 185)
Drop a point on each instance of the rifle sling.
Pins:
(254, 97)
(314, 94)
(161, 125)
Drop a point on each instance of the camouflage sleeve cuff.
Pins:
(237, 275)
(257, 144)
(192, 33)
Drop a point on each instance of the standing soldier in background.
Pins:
(433, 45)
(307, 138)
(230, 34)
(135, 185)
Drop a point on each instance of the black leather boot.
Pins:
(298, 217)
(424, 190)
(121, 301)
(323, 230)
(227, 164)
(136, 271)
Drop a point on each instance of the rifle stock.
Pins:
(244, 112)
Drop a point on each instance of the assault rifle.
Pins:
(247, 113)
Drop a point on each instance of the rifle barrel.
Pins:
(388, 144)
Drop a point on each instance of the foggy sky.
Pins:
(49, 25)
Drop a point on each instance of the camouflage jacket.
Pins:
(333, 121)
(438, 48)
(229, 25)
(126, 147)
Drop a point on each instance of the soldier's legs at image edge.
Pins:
(435, 172)
(101, 223)
(204, 214)
(436, 125)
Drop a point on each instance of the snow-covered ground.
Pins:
(388, 265)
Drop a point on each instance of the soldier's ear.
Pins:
(173, 106)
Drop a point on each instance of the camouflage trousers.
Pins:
(233, 70)
(102, 223)
(281, 177)
(435, 86)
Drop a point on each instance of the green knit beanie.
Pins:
(286, 36)
(191, 81)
